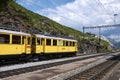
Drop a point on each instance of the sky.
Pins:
(79, 13)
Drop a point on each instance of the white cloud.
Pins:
(84, 12)
(115, 37)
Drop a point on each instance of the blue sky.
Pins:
(42, 4)
(78, 13)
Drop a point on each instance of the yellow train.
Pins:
(23, 46)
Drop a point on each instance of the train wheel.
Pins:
(34, 58)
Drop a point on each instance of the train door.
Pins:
(43, 44)
(24, 44)
(33, 45)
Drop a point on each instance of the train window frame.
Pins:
(17, 39)
(42, 41)
(71, 43)
(60, 42)
(64, 43)
(23, 37)
(7, 41)
(54, 42)
(48, 42)
(39, 41)
(68, 43)
(28, 41)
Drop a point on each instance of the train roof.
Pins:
(14, 32)
(59, 38)
(37, 35)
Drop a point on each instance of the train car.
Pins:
(20, 46)
(53, 46)
(14, 45)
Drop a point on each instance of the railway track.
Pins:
(10, 63)
(15, 70)
(96, 72)
(22, 62)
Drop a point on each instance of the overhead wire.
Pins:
(91, 6)
(100, 4)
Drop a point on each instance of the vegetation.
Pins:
(4, 4)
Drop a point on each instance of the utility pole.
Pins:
(83, 39)
(99, 35)
(83, 33)
(99, 39)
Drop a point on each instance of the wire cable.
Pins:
(100, 4)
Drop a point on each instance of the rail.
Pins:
(29, 67)
(96, 72)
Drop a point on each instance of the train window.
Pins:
(42, 41)
(33, 40)
(71, 43)
(16, 39)
(54, 42)
(28, 40)
(4, 39)
(23, 39)
(48, 41)
(66, 43)
(38, 41)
